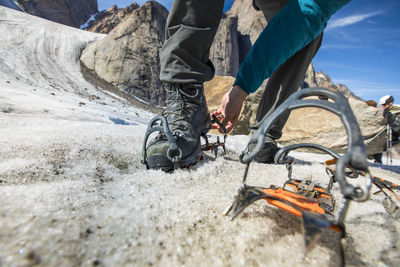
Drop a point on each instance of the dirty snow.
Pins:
(73, 190)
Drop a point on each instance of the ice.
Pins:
(73, 191)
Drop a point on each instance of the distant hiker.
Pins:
(392, 121)
(282, 52)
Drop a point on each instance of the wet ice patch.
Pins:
(120, 121)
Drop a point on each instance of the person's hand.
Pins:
(230, 108)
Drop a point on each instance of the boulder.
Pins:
(313, 125)
(128, 56)
(71, 13)
(306, 125)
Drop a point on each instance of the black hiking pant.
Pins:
(190, 31)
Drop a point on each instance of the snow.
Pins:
(86, 24)
(73, 190)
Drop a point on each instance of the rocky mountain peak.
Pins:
(136, 34)
(71, 13)
(106, 20)
(250, 21)
(128, 57)
(249, 26)
(323, 80)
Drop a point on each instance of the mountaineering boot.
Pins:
(267, 153)
(186, 116)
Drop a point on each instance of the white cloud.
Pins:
(340, 46)
(370, 89)
(349, 20)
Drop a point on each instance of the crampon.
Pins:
(214, 146)
(314, 203)
(159, 124)
(391, 201)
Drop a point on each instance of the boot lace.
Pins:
(182, 102)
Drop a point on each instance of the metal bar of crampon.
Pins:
(304, 202)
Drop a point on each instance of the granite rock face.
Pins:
(72, 13)
(224, 52)
(128, 56)
(309, 79)
(106, 20)
(250, 24)
(138, 74)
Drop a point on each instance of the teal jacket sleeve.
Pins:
(295, 26)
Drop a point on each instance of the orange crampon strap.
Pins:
(330, 166)
(295, 203)
(392, 199)
(293, 198)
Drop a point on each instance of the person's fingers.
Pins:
(228, 126)
(218, 127)
(219, 117)
(215, 126)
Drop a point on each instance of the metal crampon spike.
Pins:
(313, 227)
(392, 206)
(246, 196)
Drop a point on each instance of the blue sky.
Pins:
(361, 46)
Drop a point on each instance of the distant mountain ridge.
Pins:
(106, 20)
(128, 57)
(238, 30)
(67, 12)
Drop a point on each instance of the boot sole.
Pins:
(161, 162)
(266, 155)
